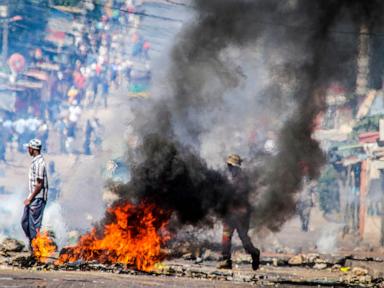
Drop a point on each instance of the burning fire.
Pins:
(43, 247)
(133, 237)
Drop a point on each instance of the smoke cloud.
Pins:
(174, 178)
(239, 70)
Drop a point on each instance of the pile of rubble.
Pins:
(302, 269)
(14, 253)
(354, 270)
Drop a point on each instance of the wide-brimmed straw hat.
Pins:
(234, 160)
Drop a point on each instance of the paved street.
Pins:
(28, 279)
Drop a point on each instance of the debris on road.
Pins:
(300, 270)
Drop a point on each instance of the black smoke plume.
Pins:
(175, 179)
(317, 42)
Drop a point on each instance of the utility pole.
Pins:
(381, 131)
(361, 91)
(382, 208)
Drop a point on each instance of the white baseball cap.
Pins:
(34, 144)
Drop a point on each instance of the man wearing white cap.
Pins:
(38, 192)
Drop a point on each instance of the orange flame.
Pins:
(43, 246)
(134, 237)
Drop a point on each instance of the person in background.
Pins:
(55, 182)
(305, 203)
(105, 90)
(87, 141)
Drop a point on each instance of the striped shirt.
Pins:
(38, 171)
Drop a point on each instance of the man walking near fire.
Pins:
(238, 217)
(38, 192)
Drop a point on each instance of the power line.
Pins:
(141, 27)
(373, 34)
(138, 13)
(378, 34)
(178, 3)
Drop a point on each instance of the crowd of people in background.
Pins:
(78, 83)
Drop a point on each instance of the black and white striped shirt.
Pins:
(38, 171)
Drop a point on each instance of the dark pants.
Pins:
(304, 213)
(33, 217)
(238, 221)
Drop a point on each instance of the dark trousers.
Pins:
(238, 221)
(33, 217)
(304, 214)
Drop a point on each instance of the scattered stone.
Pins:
(356, 275)
(296, 260)
(22, 261)
(11, 245)
(3, 259)
(360, 280)
(312, 258)
(223, 273)
(241, 257)
(188, 256)
(196, 273)
(336, 268)
(365, 279)
(319, 261)
(358, 271)
(275, 262)
(320, 266)
(375, 268)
